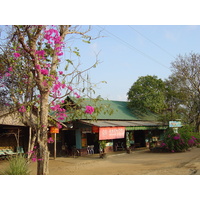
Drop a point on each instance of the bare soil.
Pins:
(120, 163)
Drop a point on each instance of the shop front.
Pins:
(114, 137)
(119, 135)
(88, 138)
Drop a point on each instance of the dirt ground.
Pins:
(141, 162)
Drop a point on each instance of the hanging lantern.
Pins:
(54, 129)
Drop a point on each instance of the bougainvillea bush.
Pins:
(178, 142)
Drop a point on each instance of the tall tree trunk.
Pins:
(43, 152)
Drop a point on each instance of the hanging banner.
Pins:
(109, 133)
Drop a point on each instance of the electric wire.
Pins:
(132, 47)
(151, 41)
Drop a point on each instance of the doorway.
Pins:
(139, 137)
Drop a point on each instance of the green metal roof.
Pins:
(120, 111)
(110, 110)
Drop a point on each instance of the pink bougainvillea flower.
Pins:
(70, 88)
(89, 109)
(22, 109)
(59, 53)
(62, 115)
(45, 83)
(47, 65)
(34, 159)
(16, 55)
(60, 118)
(7, 74)
(77, 95)
(163, 144)
(57, 108)
(177, 137)
(10, 69)
(191, 142)
(59, 125)
(38, 67)
(30, 152)
(193, 138)
(50, 140)
(63, 86)
(42, 52)
(44, 71)
(60, 72)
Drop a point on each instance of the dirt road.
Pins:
(136, 163)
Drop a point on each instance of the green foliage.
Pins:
(17, 166)
(147, 93)
(86, 39)
(102, 144)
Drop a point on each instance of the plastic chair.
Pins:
(20, 149)
(90, 149)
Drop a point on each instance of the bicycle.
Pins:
(75, 152)
(64, 152)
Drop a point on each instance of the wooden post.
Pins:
(29, 141)
(54, 146)
(54, 130)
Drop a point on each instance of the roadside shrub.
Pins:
(177, 142)
(18, 165)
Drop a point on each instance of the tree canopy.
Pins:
(147, 93)
(184, 84)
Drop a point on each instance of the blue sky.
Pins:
(128, 52)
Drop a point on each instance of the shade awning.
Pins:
(130, 125)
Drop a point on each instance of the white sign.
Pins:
(175, 124)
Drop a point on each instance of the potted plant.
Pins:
(102, 145)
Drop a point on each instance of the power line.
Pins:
(151, 41)
(132, 47)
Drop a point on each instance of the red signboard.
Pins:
(109, 133)
(95, 129)
(54, 129)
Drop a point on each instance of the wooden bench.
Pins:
(9, 152)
